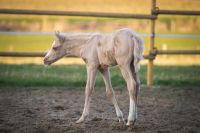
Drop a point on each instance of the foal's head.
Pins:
(56, 51)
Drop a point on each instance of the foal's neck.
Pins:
(76, 42)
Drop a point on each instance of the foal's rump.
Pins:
(129, 46)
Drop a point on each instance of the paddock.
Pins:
(55, 109)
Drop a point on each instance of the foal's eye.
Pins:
(55, 48)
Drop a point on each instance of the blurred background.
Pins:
(33, 33)
(166, 24)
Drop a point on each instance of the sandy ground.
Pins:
(41, 110)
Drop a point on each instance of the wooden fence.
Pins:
(155, 11)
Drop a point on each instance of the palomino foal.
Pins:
(101, 51)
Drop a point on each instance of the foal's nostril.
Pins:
(45, 59)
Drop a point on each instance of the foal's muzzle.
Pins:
(46, 62)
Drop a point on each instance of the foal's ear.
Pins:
(57, 33)
(60, 37)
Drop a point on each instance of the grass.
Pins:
(30, 43)
(41, 43)
(75, 76)
(178, 43)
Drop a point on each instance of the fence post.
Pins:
(151, 47)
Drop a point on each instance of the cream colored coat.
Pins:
(101, 51)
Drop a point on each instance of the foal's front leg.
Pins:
(91, 76)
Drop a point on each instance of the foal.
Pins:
(101, 51)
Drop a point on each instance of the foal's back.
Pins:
(114, 47)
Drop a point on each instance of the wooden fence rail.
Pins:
(175, 12)
(177, 52)
(75, 13)
(155, 11)
(42, 54)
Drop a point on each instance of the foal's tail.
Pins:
(138, 51)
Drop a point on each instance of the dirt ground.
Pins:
(41, 110)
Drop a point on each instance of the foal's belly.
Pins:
(107, 64)
(107, 59)
(105, 50)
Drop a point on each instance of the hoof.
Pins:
(121, 119)
(80, 120)
(120, 116)
(130, 122)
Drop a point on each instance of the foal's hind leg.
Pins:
(131, 85)
(110, 92)
(137, 79)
